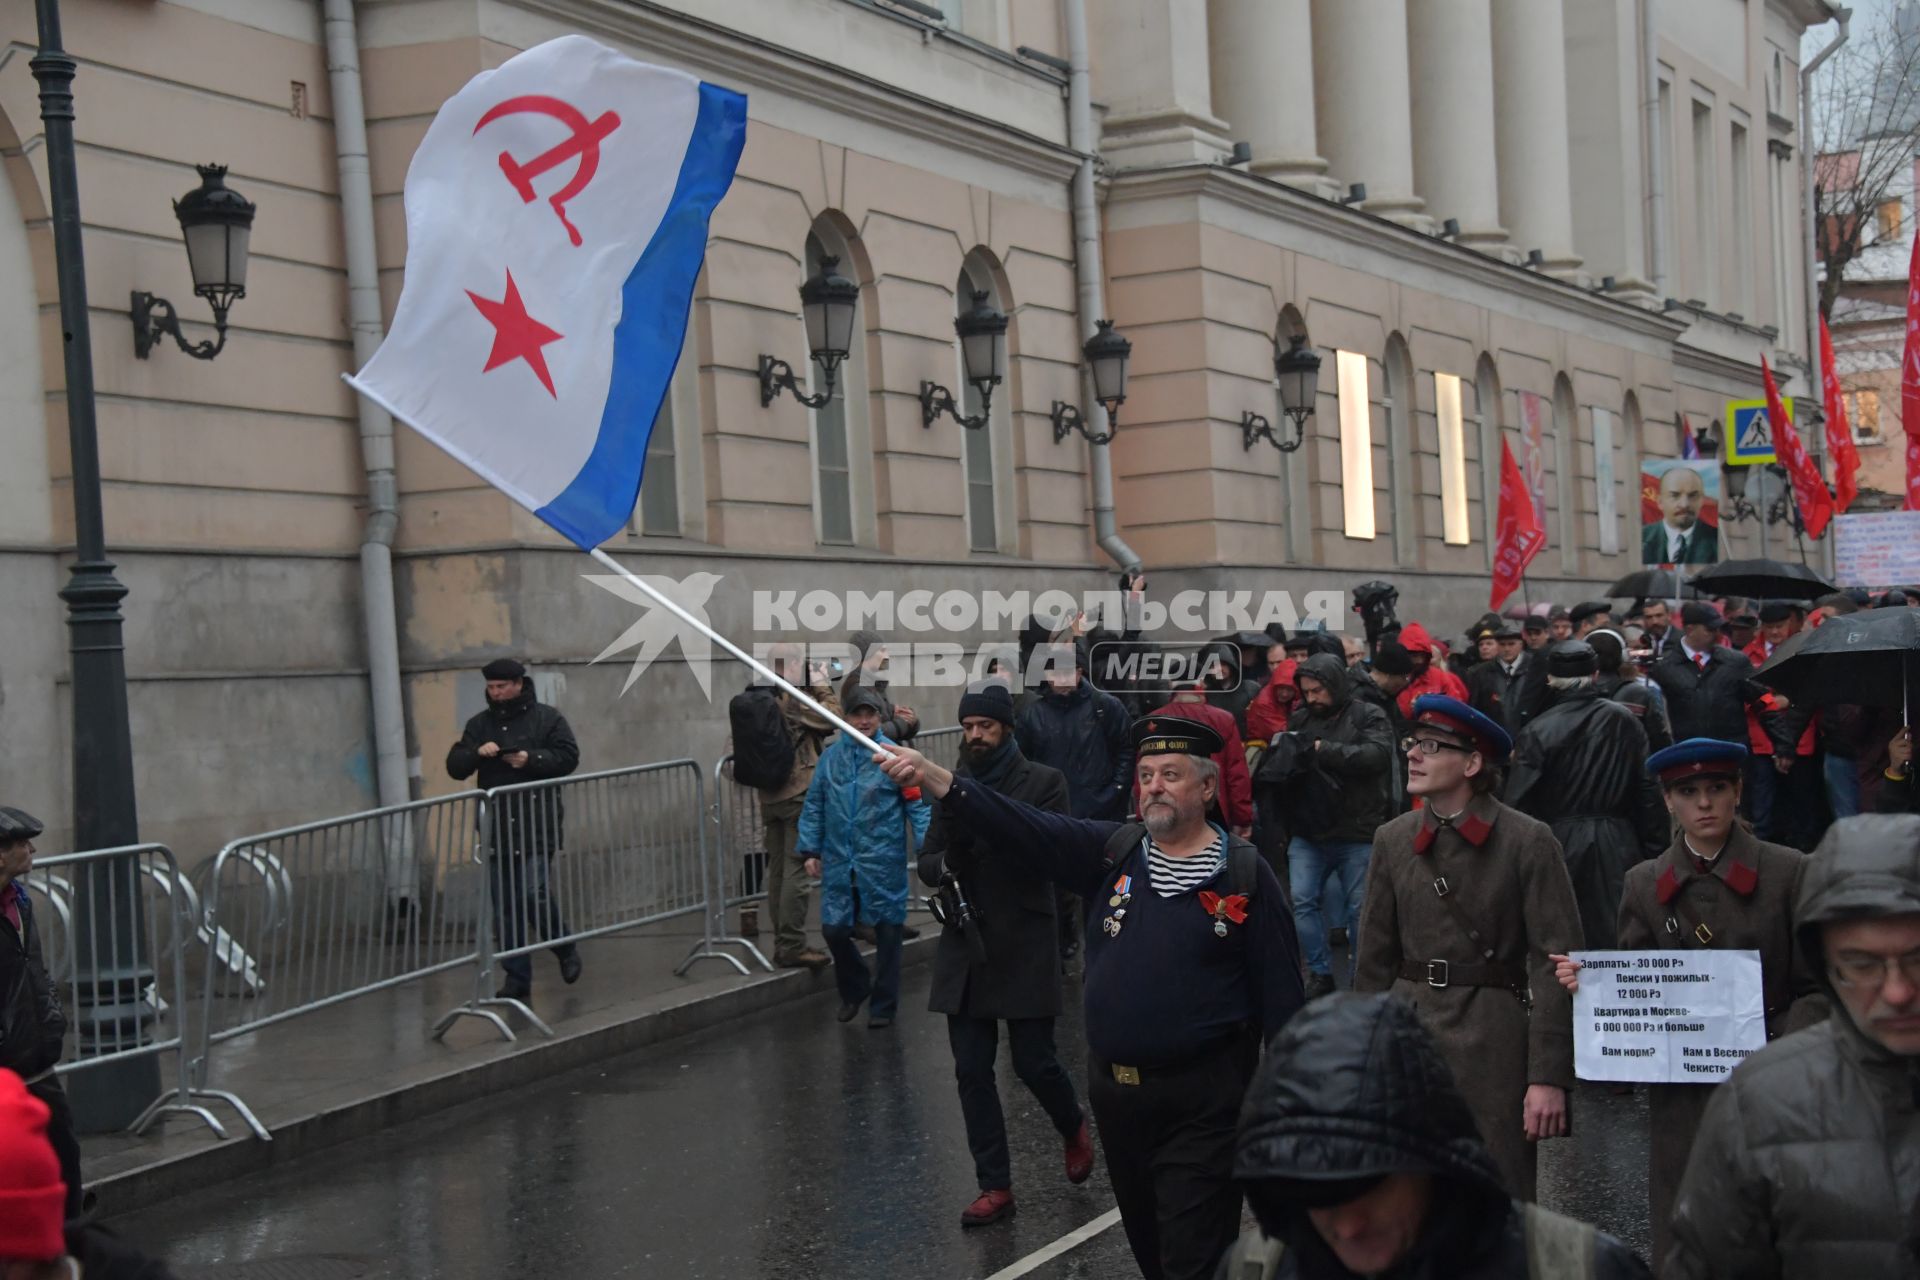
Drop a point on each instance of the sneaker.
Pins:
(990, 1207)
(848, 1012)
(1319, 984)
(511, 990)
(1080, 1156)
(570, 966)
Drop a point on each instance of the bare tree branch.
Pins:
(1866, 126)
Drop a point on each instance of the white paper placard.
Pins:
(1876, 549)
(1666, 1017)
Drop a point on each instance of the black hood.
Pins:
(1330, 672)
(1355, 1087)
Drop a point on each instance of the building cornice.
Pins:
(732, 56)
(1399, 244)
(1698, 360)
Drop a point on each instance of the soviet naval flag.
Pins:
(556, 218)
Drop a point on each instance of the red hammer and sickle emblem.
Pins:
(582, 143)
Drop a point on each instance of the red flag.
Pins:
(1846, 458)
(1518, 537)
(1809, 490)
(1910, 381)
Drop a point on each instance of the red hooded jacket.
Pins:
(1236, 786)
(1435, 679)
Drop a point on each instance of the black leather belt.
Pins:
(1441, 974)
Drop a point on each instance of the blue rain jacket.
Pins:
(855, 821)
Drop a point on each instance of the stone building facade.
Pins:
(931, 158)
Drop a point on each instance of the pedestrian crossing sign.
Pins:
(1749, 434)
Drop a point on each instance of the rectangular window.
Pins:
(1888, 220)
(1863, 415)
(660, 482)
(982, 531)
(1453, 460)
(1606, 504)
(1741, 208)
(1706, 211)
(830, 455)
(1356, 443)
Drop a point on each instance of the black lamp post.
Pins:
(1107, 355)
(1297, 369)
(982, 330)
(217, 223)
(111, 973)
(827, 302)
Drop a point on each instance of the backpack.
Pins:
(762, 744)
(1558, 1248)
(1243, 860)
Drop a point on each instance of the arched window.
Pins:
(1566, 473)
(987, 453)
(1400, 406)
(842, 449)
(1490, 423)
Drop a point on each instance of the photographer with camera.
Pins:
(996, 960)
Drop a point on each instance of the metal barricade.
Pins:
(595, 853)
(327, 911)
(114, 937)
(941, 746)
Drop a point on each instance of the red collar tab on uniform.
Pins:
(1666, 886)
(1470, 826)
(1742, 879)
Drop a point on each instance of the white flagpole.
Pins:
(732, 648)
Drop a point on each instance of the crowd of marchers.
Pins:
(1452, 823)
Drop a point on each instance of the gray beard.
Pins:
(1162, 822)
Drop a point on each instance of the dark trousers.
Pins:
(1789, 808)
(66, 1146)
(976, 1043)
(850, 973)
(519, 893)
(1067, 912)
(1169, 1148)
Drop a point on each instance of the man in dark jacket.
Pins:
(1000, 965)
(1491, 685)
(898, 722)
(1083, 732)
(32, 1024)
(1360, 1158)
(519, 739)
(1808, 1160)
(1580, 767)
(1618, 681)
(1707, 685)
(1350, 742)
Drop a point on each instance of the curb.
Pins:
(303, 1135)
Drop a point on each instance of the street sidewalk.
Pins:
(370, 1063)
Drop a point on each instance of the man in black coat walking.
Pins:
(1707, 684)
(33, 1027)
(518, 739)
(999, 964)
(1580, 767)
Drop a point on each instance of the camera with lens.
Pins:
(950, 906)
(1374, 602)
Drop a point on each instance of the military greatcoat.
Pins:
(1502, 1020)
(1744, 903)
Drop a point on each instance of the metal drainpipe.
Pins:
(1091, 276)
(1656, 154)
(1811, 232)
(1811, 237)
(376, 427)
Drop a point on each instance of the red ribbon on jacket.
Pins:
(1233, 906)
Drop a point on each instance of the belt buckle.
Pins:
(1126, 1075)
(1441, 981)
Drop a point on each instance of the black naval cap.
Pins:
(1175, 735)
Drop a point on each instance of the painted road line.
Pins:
(1065, 1244)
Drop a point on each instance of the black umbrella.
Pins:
(1871, 658)
(1664, 584)
(1762, 579)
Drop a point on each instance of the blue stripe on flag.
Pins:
(653, 323)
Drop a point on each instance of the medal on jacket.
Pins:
(1230, 907)
(1122, 895)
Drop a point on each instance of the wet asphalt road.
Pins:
(786, 1145)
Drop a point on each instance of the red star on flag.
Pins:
(516, 335)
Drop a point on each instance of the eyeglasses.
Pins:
(1863, 971)
(1431, 746)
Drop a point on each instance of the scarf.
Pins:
(992, 769)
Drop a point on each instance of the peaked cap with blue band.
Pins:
(1697, 758)
(1453, 716)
